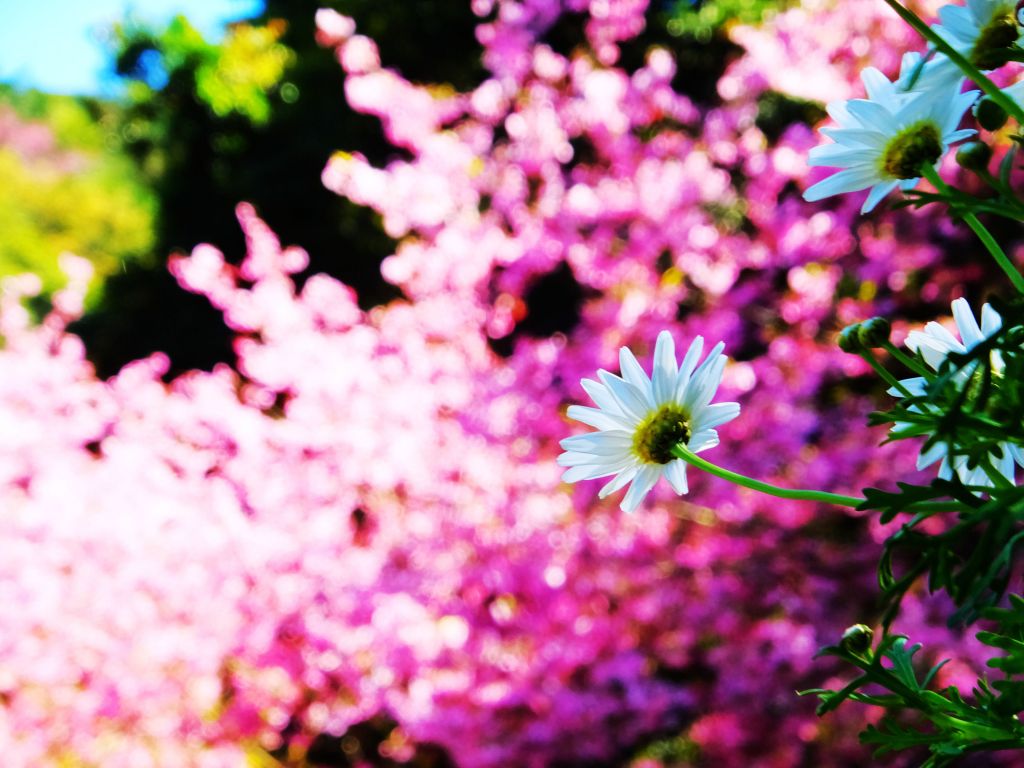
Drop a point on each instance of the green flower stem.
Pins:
(961, 202)
(891, 380)
(979, 229)
(913, 364)
(1013, 209)
(991, 89)
(682, 452)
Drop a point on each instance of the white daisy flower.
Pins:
(935, 343)
(883, 141)
(641, 419)
(981, 31)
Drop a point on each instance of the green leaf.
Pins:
(891, 504)
(1006, 165)
(902, 662)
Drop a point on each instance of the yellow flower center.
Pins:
(910, 149)
(660, 432)
(995, 39)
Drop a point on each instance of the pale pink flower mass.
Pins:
(363, 517)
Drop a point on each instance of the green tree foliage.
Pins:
(64, 187)
(965, 540)
(702, 20)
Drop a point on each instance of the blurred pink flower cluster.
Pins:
(35, 144)
(365, 518)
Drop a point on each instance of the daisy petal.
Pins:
(916, 386)
(675, 473)
(618, 439)
(591, 471)
(711, 359)
(935, 337)
(837, 111)
(990, 319)
(873, 114)
(1018, 454)
(981, 11)
(878, 86)
(957, 25)
(955, 136)
(630, 400)
(970, 332)
(665, 371)
(865, 137)
(945, 470)
(1005, 464)
(705, 382)
(702, 440)
(850, 180)
(596, 418)
(579, 458)
(933, 454)
(642, 484)
(716, 415)
(687, 367)
(839, 156)
(633, 373)
(618, 482)
(877, 194)
(601, 396)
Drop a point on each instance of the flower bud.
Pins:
(874, 332)
(989, 114)
(857, 639)
(993, 47)
(974, 156)
(849, 340)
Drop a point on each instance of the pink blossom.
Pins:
(363, 517)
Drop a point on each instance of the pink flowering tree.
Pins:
(355, 545)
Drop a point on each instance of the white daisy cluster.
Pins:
(641, 419)
(934, 344)
(883, 141)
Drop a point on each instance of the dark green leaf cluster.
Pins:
(943, 722)
(963, 539)
(975, 157)
(1006, 697)
(974, 406)
(971, 559)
